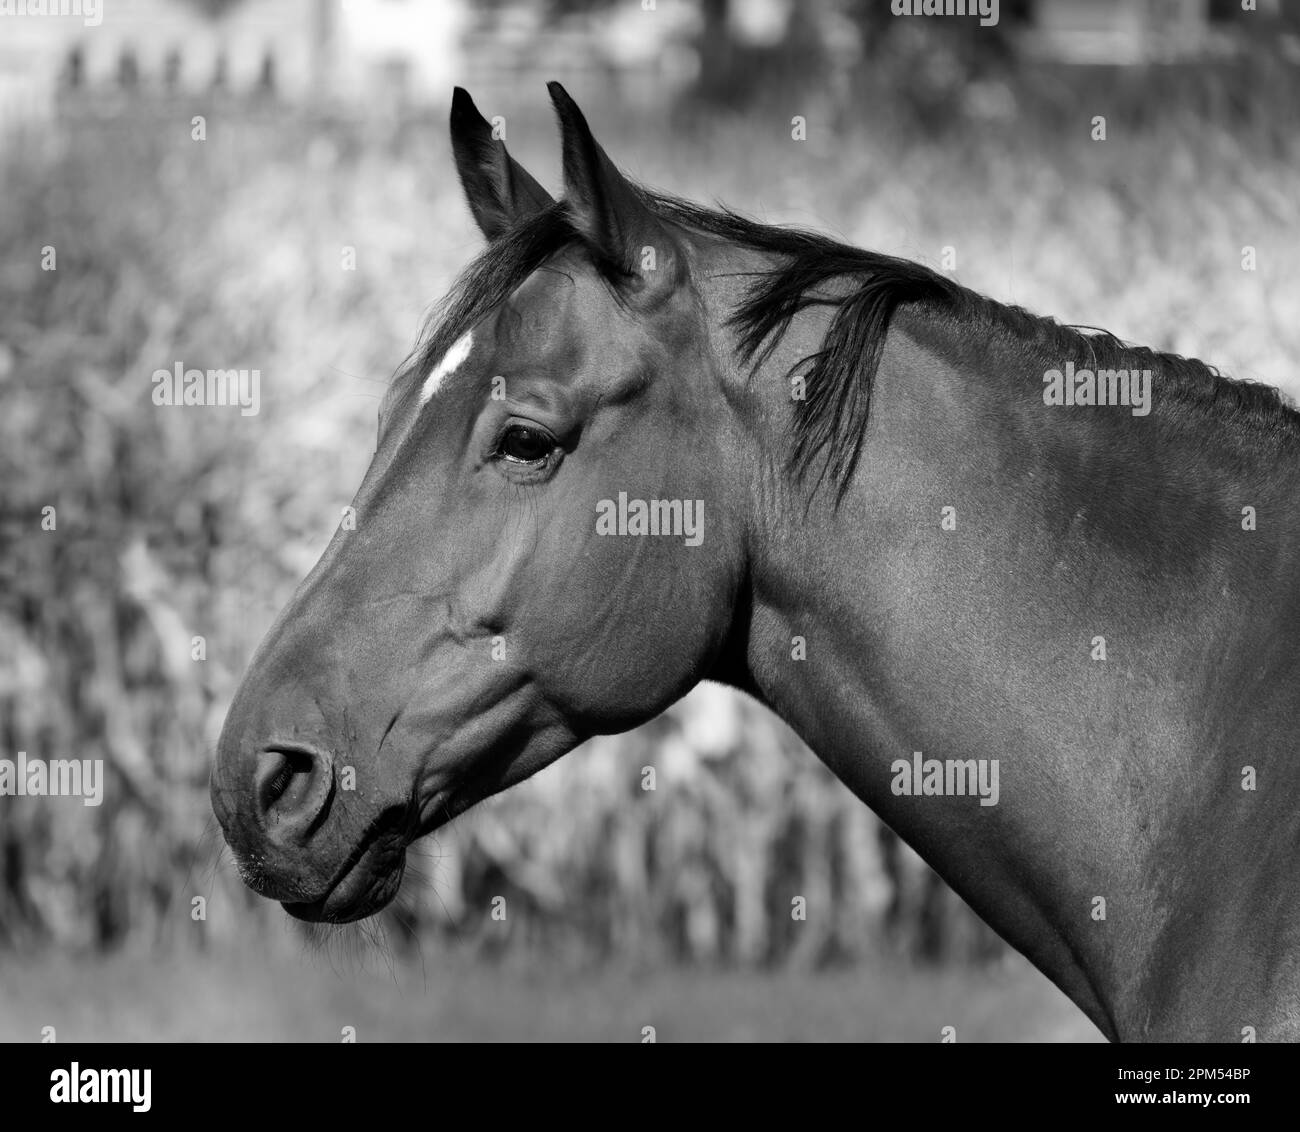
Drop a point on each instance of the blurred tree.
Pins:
(128, 69)
(734, 67)
(214, 9)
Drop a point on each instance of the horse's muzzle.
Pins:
(325, 855)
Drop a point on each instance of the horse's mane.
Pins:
(839, 377)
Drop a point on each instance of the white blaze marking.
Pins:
(452, 360)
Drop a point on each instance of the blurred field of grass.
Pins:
(185, 997)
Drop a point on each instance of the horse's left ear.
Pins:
(500, 191)
(626, 238)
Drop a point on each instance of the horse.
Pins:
(1028, 591)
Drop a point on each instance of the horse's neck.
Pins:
(1102, 627)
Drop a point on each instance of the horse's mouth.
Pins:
(372, 874)
(365, 885)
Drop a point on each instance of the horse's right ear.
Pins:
(500, 191)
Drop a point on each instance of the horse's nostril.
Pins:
(291, 784)
(277, 782)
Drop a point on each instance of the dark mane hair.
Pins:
(839, 377)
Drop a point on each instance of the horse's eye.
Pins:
(525, 445)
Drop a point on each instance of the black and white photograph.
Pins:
(650, 521)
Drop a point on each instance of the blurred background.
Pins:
(268, 184)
